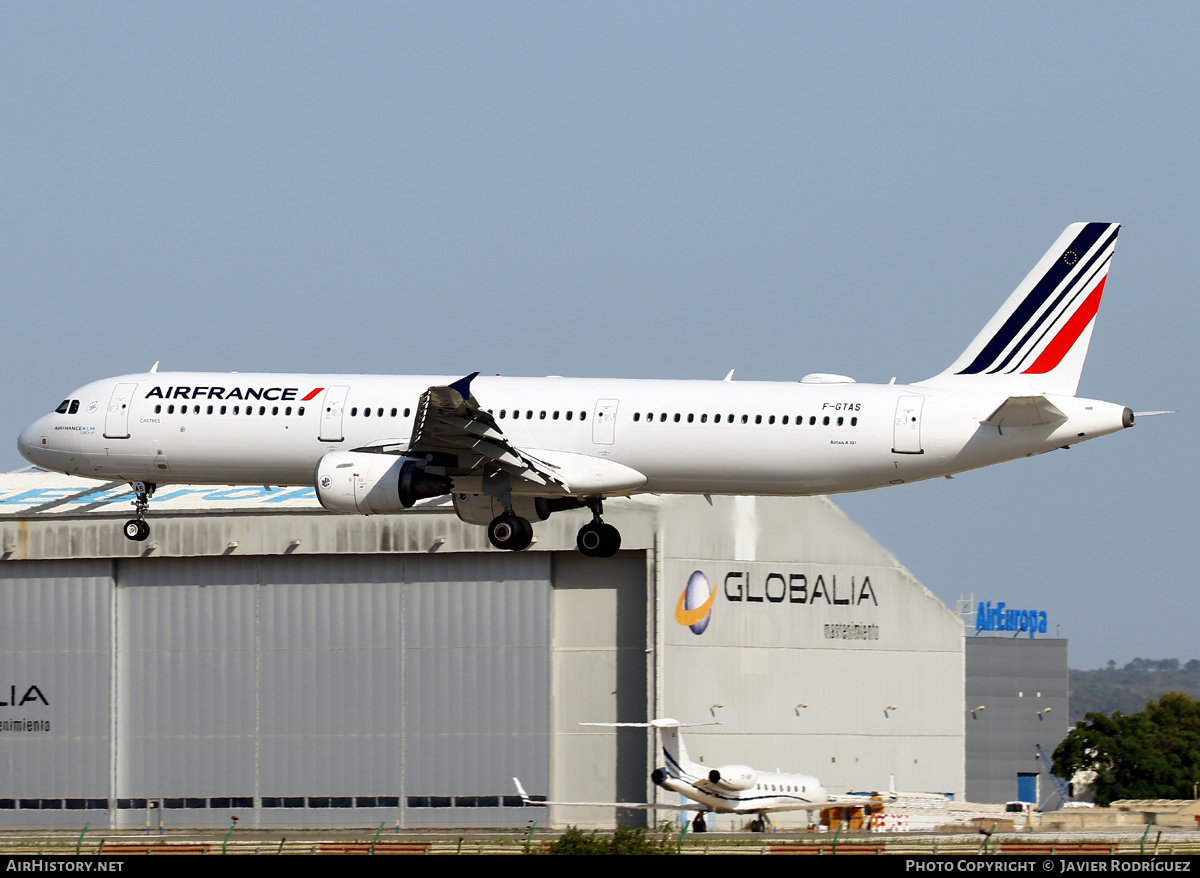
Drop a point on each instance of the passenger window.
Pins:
(745, 419)
(784, 421)
(379, 414)
(854, 422)
(812, 420)
(758, 419)
(570, 414)
(691, 417)
(406, 413)
(676, 417)
(222, 409)
(516, 413)
(157, 409)
(210, 410)
(354, 412)
(704, 419)
(825, 421)
(542, 416)
(529, 415)
(771, 420)
(637, 416)
(262, 409)
(288, 410)
(300, 411)
(394, 413)
(662, 417)
(274, 409)
(556, 415)
(840, 420)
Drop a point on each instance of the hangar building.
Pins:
(259, 656)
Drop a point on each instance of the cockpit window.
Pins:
(62, 409)
(74, 407)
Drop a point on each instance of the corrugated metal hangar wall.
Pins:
(301, 669)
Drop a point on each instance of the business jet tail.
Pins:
(1036, 343)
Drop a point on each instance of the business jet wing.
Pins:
(450, 420)
(637, 806)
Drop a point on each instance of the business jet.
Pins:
(729, 789)
(511, 451)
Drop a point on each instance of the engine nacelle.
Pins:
(733, 777)
(361, 483)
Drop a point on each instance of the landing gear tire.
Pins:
(598, 540)
(698, 825)
(136, 529)
(510, 532)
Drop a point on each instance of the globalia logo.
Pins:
(694, 608)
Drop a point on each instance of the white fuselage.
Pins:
(715, 437)
(770, 792)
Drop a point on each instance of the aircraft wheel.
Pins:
(598, 540)
(698, 825)
(136, 529)
(758, 825)
(510, 532)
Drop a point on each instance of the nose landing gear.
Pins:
(136, 528)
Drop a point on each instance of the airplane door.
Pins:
(116, 419)
(906, 434)
(332, 408)
(604, 422)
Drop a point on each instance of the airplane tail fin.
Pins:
(1038, 340)
(674, 750)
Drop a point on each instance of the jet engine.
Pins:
(733, 777)
(373, 484)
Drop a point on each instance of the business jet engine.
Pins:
(362, 483)
(733, 777)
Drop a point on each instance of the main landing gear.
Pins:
(136, 528)
(510, 531)
(699, 824)
(597, 539)
(513, 533)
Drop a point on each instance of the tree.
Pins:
(1154, 754)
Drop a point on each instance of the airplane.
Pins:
(511, 451)
(729, 789)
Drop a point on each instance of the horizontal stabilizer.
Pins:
(1025, 411)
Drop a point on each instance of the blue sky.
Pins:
(636, 190)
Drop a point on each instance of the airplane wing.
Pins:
(449, 420)
(637, 806)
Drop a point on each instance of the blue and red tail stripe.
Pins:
(1078, 273)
